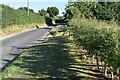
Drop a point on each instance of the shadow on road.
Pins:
(17, 50)
(51, 59)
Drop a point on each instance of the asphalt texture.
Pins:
(13, 46)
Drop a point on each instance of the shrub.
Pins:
(48, 20)
(53, 33)
(99, 39)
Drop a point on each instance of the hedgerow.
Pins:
(94, 28)
(12, 16)
(99, 39)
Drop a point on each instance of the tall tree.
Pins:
(42, 12)
(100, 10)
(52, 11)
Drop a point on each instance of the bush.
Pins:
(48, 20)
(53, 33)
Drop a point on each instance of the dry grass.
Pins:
(11, 30)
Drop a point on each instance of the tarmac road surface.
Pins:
(13, 46)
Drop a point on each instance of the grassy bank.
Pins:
(11, 30)
(18, 20)
(57, 57)
(12, 16)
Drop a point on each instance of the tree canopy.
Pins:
(52, 11)
(42, 12)
(99, 10)
(26, 9)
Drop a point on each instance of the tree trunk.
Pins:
(97, 62)
(100, 64)
(112, 75)
(105, 69)
(69, 33)
(86, 57)
(63, 34)
(118, 73)
(93, 59)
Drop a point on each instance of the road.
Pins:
(13, 46)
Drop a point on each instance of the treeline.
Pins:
(99, 38)
(99, 10)
(12, 16)
(50, 14)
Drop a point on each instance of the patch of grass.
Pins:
(54, 31)
(56, 58)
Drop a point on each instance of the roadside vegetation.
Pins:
(56, 58)
(11, 30)
(87, 48)
(101, 43)
(94, 27)
(17, 20)
(12, 16)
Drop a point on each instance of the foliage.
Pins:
(52, 57)
(53, 33)
(99, 10)
(26, 9)
(48, 20)
(42, 12)
(7, 15)
(71, 12)
(63, 29)
(12, 16)
(98, 38)
(52, 11)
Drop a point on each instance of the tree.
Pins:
(71, 12)
(26, 9)
(42, 12)
(52, 11)
(99, 10)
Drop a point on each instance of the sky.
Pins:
(37, 5)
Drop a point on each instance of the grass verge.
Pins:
(11, 30)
